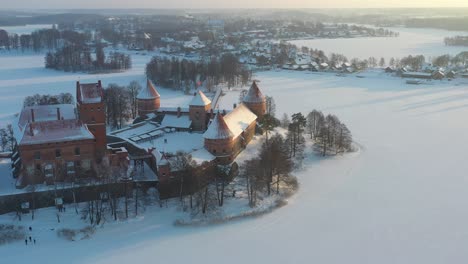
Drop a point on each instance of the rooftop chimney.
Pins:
(32, 116)
(58, 114)
(234, 106)
(178, 112)
(99, 83)
(31, 130)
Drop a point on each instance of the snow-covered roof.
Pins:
(46, 113)
(202, 155)
(136, 130)
(182, 121)
(149, 92)
(89, 93)
(159, 157)
(218, 129)
(42, 113)
(254, 95)
(239, 119)
(200, 99)
(55, 131)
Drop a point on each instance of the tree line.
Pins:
(456, 41)
(79, 58)
(185, 74)
(47, 99)
(417, 62)
(39, 40)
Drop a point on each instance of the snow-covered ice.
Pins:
(412, 41)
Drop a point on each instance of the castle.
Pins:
(224, 134)
(61, 142)
(65, 142)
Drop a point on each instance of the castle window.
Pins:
(38, 167)
(92, 119)
(77, 151)
(58, 153)
(224, 151)
(37, 155)
(214, 150)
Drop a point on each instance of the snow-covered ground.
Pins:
(412, 41)
(401, 199)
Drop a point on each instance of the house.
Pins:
(451, 74)
(438, 75)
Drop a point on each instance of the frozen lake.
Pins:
(412, 41)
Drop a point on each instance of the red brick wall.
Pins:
(48, 156)
(198, 115)
(94, 115)
(258, 109)
(164, 173)
(232, 146)
(148, 106)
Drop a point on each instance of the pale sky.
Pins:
(190, 4)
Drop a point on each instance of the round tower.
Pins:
(219, 139)
(148, 100)
(255, 100)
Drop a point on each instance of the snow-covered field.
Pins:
(412, 41)
(402, 199)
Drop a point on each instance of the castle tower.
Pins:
(148, 99)
(219, 139)
(255, 100)
(199, 108)
(92, 112)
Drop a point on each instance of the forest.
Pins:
(184, 74)
(79, 58)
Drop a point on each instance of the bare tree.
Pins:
(133, 89)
